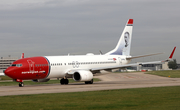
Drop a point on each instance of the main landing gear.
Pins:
(89, 82)
(64, 81)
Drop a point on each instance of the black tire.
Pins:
(66, 81)
(21, 84)
(91, 82)
(62, 81)
(86, 82)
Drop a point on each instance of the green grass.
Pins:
(168, 73)
(11, 83)
(5, 78)
(156, 98)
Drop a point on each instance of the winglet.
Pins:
(22, 56)
(170, 57)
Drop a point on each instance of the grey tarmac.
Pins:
(109, 81)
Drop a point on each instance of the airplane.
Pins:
(79, 67)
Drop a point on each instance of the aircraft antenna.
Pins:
(100, 52)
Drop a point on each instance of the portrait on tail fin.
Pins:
(124, 43)
(126, 38)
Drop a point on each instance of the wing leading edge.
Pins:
(134, 64)
(133, 57)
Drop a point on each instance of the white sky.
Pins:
(59, 27)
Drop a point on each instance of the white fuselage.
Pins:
(60, 65)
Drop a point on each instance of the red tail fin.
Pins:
(22, 56)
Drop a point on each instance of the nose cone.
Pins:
(9, 72)
(6, 71)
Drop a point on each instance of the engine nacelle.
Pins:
(82, 75)
(40, 80)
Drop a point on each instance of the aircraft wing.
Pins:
(132, 57)
(134, 64)
(70, 72)
(125, 66)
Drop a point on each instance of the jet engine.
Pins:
(40, 80)
(82, 75)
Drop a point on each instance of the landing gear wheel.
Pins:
(86, 82)
(64, 81)
(89, 82)
(21, 84)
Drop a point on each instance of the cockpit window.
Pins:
(13, 65)
(17, 65)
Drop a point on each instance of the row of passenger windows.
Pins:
(37, 65)
(59, 64)
(85, 63)
(82, 63)
(53, 64)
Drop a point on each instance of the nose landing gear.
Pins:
(21, 84)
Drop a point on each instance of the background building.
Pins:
(5, 62)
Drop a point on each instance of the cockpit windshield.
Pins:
(17, 65)
(13, 65)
